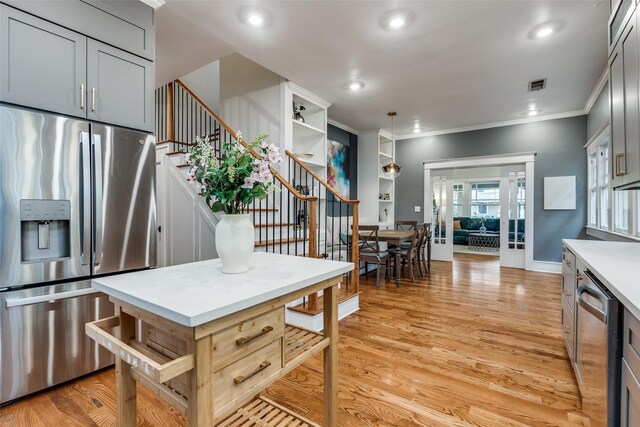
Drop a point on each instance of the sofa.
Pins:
(468, 225)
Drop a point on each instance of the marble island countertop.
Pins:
(616, 264)
(196, 293)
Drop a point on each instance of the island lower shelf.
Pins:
(248, 408)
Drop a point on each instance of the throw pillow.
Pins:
(457, 225)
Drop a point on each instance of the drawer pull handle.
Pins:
(243, 341)
(240, 379)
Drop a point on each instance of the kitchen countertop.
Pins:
(196, 293)
(616, 264)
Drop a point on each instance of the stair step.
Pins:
(183, 165)
(288, 224)
(281, 242)
(175, 153)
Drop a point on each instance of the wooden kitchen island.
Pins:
(208, 343)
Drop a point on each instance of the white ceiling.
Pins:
(458, 64)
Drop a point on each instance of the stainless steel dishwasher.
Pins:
(598, 350)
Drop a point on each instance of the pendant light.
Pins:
(392, 169)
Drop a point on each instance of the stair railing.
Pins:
(287, 221)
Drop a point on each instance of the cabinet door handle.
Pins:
(93, 99)
(619, 171)
(247, 340)
(242, 378)
(82, 96)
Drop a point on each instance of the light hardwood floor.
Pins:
(471, 345)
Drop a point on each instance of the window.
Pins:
(598, 183)
(609, 210)
(485, 199)
(458, 202)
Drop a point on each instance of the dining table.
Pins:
(396, 237)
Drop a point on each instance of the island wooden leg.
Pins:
(125, 384)
(201, 409)
(330, 300)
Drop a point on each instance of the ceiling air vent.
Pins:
(537, 84)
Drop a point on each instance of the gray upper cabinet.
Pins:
(41, 65)
(625, 117)
(129, 25)
(119, 87)
(48, 67)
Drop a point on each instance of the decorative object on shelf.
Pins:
(302, 189)
(483, 229)
(338, 176)
(297, 109)
(230, 185)
(387, 196)
(392, 169)
(386, 215)
(380, 196)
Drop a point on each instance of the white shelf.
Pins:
(385, 155)
(307, 129)
(385, 178)
(385, 201)
(312, 162)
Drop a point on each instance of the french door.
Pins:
(512, 216)
(440, 213)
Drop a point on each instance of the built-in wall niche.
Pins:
(309, 134)
(312, 115)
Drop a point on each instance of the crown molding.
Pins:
(493, 125)
(596, 90)
(343, 127)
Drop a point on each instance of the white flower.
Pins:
(263, 169)
(248, 183)
(239, 135)
(264, 144)
(274, 157)
(272, 148)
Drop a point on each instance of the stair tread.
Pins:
(275, 224)
(262, 209)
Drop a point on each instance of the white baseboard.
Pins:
(546, 267)
(315, 323)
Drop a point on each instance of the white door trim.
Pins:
(498, 160)
(479, 161)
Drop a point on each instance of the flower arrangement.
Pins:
(229, 183)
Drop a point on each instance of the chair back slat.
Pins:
(406, 225)
(368, 239)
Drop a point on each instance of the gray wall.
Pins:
(559, 147)
(205, 83)
(599, 113)
(350, 140)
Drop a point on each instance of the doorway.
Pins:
(481, 205)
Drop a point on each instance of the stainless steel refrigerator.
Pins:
(77, 199)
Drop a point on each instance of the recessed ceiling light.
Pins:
(256, 19)
(397, 21)
(544, 32)
(416, 130)
(545, 29)
(532, 113)
(355, 86)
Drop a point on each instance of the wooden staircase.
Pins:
(287, 221)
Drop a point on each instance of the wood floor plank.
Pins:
(472, 344)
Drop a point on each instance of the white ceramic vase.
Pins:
(235, 240)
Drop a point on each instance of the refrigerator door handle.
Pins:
(19, 302)
(97, 192)
(85, 198)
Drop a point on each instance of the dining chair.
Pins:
(422, 245)
(370, 252)
(409, 256)
(406, 225)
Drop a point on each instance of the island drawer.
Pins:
(235, 380)
(247, 336)
(631, 342)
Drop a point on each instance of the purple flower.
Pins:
(263, 169)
